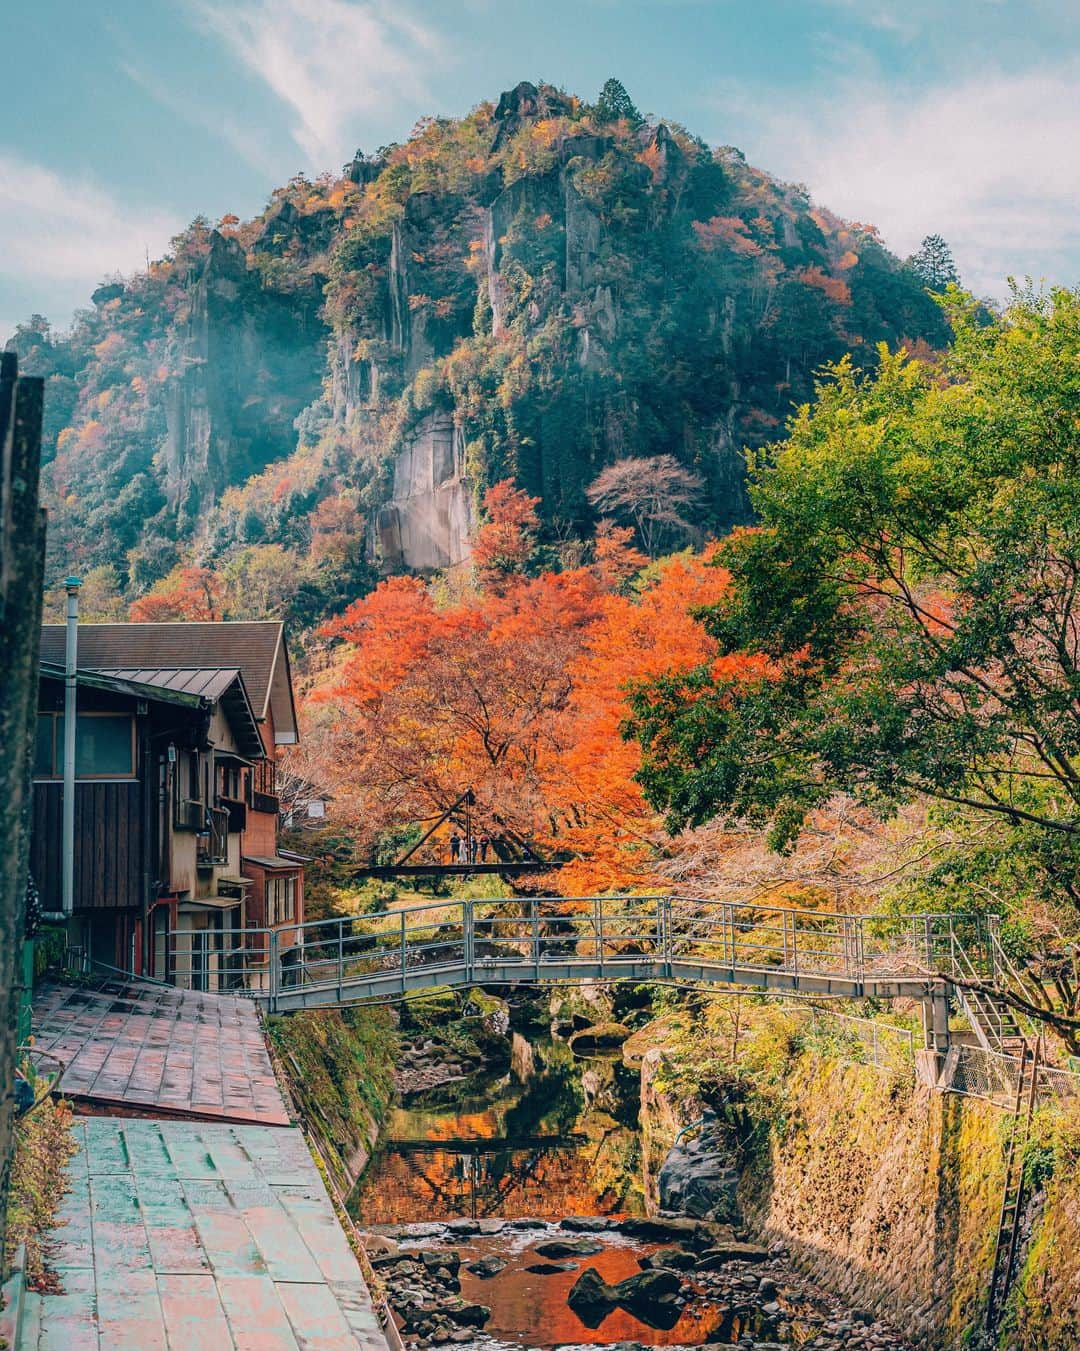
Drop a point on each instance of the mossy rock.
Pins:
(430, 1011)
(600, 1037)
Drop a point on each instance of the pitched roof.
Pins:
(193, 689)
(255, 648)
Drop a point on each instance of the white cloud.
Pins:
(249, 142)
(55, 229)
(988, 161)
(332, 62)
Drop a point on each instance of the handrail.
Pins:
(388, 953)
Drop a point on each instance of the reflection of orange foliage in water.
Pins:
(532, 1309)
(470, 1126)
(443, 1184)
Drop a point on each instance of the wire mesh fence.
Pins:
(864, 1041)
(994, 1076)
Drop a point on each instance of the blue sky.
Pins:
(124, 120)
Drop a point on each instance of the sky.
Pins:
(123, 121)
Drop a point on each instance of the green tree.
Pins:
(615, 103)
(933, 262)
(913, 586)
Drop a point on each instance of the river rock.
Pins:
(659, 1229)
(712, 1258)
(434, 1260)
(698, 1177)
(486, 1267)
(586, 1224)
(562, 1247)
(599, 1037)
(677, 1259)
(526, 1224)
(646, 1287)
(591, 1298)
(551, 1268)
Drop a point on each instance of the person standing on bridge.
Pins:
(455, 847)
(484, 846)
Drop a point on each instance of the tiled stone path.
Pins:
(200, 1236)
(157, 1048)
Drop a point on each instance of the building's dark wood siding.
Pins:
(108, 844)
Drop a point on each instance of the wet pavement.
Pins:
(159, 1050)
(199, 1236)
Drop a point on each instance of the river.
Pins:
(491, 1168)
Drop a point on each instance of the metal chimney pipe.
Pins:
(71, 657)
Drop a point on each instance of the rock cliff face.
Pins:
(425, 526)
(245, 363)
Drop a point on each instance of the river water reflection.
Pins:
(563, 1143)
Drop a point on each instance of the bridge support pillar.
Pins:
(935, 1017)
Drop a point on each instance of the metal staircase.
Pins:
(977, 955)
(1008, 1231)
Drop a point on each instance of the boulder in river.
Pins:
(586, 1224)
(551, 1268)
(486, 1267)
(698, 1177)
(434, 1260)
(591, 1298)
(599, 1037)
(466, 1315)
(719, 1256)
(650, 1296)
(659, 1229)
(569, 1247)
(677, 1259)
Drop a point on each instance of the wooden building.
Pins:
(177, 869)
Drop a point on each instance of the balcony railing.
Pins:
(213, 840)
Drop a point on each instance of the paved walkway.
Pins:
(200, 1236)
(159, 1049)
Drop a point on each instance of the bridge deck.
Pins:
(389, 985)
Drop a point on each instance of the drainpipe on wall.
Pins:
(71, 654)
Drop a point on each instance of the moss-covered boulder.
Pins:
(600, 1037)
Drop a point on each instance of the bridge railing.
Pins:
(757, 937)
(511, 938)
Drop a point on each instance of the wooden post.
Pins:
(22, 558)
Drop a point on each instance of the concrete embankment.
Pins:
(888, 1193)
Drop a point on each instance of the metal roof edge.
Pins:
(97, 680)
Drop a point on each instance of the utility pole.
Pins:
(71, 714)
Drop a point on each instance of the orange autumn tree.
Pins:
(435, 701)
(187, 593)
(599, 811)
(519, 693)
(504, 543)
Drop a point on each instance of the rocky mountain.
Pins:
(535, 290)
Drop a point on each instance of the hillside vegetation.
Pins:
(550, 286)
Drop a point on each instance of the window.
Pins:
(104, 746)
(229, 780)
(281, 895)
(264, 777)
(45, 757)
